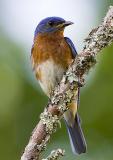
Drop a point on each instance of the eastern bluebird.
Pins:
(51, 55)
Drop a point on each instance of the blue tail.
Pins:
(76, 137)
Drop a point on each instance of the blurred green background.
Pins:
(22, 101)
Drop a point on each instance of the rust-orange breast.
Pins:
(51, 56)
(51, 46)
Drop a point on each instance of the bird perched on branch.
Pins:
(51, 55)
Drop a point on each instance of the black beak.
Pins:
(67, 23)
(64, 24)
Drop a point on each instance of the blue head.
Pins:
(51, 24)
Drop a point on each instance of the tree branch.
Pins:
(66, 91)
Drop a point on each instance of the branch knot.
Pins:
(51, 122)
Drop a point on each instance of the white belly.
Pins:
(51, 74)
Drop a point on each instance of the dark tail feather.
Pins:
(76, 137)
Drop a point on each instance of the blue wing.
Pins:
(74, 52)
(76, 136)
(71, 45)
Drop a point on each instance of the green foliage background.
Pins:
(21, 102)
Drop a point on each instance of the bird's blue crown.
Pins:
(48, 24)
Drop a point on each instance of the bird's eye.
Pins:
(51, 23)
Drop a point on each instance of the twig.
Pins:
(55, 154)
(62, 96)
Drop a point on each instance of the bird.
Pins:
(51, 55)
